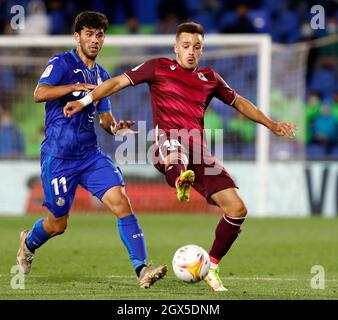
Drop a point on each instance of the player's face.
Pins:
(90, 41)
(188, 49)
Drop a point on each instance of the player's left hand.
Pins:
(284, 129)
(123, 128)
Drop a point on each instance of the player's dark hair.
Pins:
(90, 19)
(189, 27)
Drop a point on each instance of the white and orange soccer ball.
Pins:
(191, 263)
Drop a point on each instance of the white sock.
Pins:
(213, 265)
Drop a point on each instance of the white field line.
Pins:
(254, 278)
(234, 278)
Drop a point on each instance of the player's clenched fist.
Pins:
(72, 107)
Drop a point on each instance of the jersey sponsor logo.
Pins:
(76, 93)
(202, 77)
(137, 235)
(173, 67)
(139, 66)
(83, 74)
(47, 71)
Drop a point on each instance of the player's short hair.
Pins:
(90, 19)
(189, 27)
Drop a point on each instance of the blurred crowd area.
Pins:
(287, 21)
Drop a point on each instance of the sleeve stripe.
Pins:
(104, 111)
(131, 81)
(45, 82)
(233, 101)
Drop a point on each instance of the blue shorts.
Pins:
(97, 173)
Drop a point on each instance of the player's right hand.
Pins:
(123, 128)
(84, 87)
(72, 107)
(286, 129)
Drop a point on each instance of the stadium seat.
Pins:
(323, 81)
(260, 19)
(335, 151)
(315, 151)
(286, 27)
(249, 151)
(206, 19)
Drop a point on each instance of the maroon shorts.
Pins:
(210, 175)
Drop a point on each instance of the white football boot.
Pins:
(149, 275)
(24, 257)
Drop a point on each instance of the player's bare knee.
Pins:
(237, 210)
(57, 227)
(120, 206)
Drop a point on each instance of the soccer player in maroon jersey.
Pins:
(180, 93)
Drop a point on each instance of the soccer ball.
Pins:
(191, 263)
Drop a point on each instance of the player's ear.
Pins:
(175, 48)
(77, 37)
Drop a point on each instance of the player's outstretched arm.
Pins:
(105, 89)
(45, 92)
(248, 109)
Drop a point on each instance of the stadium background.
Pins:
(305, 58)
(274, 258)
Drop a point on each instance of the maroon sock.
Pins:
(226, 233)
(173, 172)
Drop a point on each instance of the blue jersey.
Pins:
(75, 137)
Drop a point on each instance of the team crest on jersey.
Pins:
(173, 67)
(202, 77)
(60, 201)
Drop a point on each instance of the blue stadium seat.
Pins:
(324, 81)
(227, 19)
(193, 5)
(315, 151)
(260, 19)
(286, 27)
(273, 6)
(249, 150)
(206, 19)
(7, 80)
(335, 151)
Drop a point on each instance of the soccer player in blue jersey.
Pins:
(70, 155)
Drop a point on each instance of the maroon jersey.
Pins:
(179, 96)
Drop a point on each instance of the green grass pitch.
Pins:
(272, 259)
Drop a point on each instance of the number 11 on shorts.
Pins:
(62, 181)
